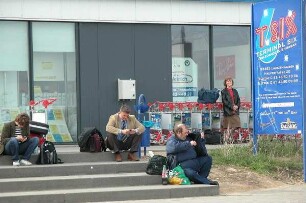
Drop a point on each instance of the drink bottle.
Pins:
(164, 176)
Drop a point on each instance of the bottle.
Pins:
(164, 176)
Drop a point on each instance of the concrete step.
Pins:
(78, 181)
(72, 157)
(66, 169)
(111, 193)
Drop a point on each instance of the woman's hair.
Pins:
(226, 79)
(22, 119)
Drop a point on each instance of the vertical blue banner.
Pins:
(277, 45)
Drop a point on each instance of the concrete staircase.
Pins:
(88, 177)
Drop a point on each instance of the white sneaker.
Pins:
(24, 162)
(16, 163)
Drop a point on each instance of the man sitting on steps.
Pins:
(124, 132)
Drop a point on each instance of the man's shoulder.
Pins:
(132, 117)
(114, 116)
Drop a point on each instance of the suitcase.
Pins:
(39, 128)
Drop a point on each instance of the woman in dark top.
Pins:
(231, 105)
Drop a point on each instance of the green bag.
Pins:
(178, 177)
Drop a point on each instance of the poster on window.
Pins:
(58, 130)
(277, 67)
(184, 80)
(225, 67)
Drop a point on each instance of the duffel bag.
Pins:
(39, 128)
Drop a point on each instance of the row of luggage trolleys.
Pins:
(197, 117)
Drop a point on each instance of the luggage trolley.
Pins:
(39, 119)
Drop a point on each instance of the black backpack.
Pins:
(155, 165)
(91, 140)
(48, 154)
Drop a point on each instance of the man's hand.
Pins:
(132, 131)
(125, 131)
(193, 143)
(21, 138)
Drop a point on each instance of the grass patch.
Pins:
(274, 157)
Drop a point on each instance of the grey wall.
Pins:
(125, 51)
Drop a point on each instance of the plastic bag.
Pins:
(178, 177)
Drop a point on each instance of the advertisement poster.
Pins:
(184, 80)
(225, 67)
(277, 67)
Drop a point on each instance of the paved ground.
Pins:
(288, 194)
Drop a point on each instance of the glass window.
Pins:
(190, 61)
(54, 65)
(231, 54)
(14, 67)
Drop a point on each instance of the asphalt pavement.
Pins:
(287, 194)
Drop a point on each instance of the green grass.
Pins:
(274, 157)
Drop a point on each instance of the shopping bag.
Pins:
(178, 177)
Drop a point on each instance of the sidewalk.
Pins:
(288, 194)
(75, 148)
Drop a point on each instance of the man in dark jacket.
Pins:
(15, 140)
(191, 155)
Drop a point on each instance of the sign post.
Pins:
(277, 67)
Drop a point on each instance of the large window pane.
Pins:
(55, 76)
(231, 53)
(14, 66)
(190, 61)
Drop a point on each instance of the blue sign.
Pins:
(277, 67)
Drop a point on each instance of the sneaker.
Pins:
(16, 163)
(24, 162)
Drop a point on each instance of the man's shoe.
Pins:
(133, 157)
(16, 163)
(24, 162)
(213, 182)
(118, 157)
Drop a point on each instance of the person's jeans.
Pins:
(197, 170)
(14, 148)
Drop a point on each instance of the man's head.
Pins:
(22, 120)
(181, 131)
(124, 112)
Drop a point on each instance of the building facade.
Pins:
(75, 52)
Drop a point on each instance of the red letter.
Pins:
(274, 31)
(291, 25)
(261, 31)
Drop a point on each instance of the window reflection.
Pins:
(14, 66)
(190, 61)
(232, 58)
(55, 77)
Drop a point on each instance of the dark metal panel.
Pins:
(153, 68)
(89, 77)
(116, 61)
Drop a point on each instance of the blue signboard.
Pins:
(277, 67)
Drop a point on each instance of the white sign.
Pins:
(184, 80)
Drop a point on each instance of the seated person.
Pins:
(191, 155)
(124, 132)
(15, 140)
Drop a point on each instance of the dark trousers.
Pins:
(14, 148)
(132, 143)
(197, 170)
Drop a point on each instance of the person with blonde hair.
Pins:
(15, 140)
(231, 105)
